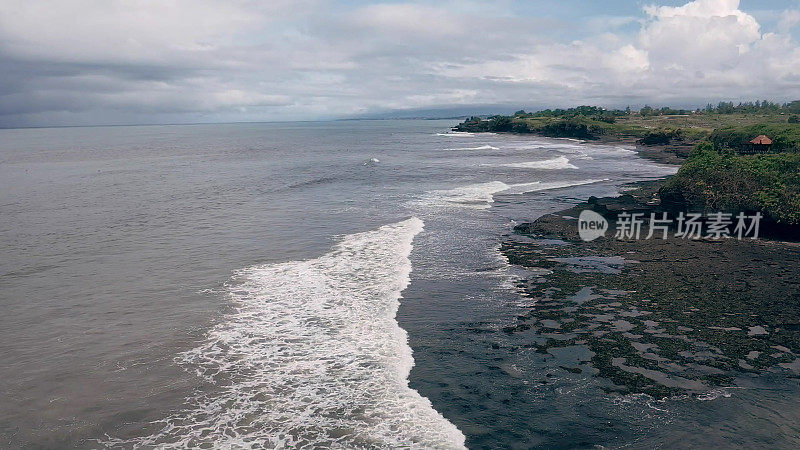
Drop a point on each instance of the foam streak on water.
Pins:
(561, 162)
(478, 196)
(481, 195)
(524, 188)
(480, 147)
(312, 356)
(456, 134)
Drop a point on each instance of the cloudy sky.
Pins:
(80, 62)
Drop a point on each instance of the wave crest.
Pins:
(481, 195)
(312, 356)
(481, 147)
(561, 162)
(477, 196)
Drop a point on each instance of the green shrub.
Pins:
(520, 127)
(785, 137)
(732, 183)
(473, 124)
(659, 137)
(500, 123)
(580, 128)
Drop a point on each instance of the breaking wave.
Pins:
(478, 196)
(312, 357)
(482, 147)
(481, 195)
(561, 162)
(538, 186)
(457, 134)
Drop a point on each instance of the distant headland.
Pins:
(743, 157)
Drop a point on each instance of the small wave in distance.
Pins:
(561, 162)
(481, 195)
(482, 147)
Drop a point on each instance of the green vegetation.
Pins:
(675, 321)
(723, 181)
(660, 137)
(666, 111)
(714, 177)
(583, 122)
(731, 125)
(577, 127)
(757, 107)
(785, 137)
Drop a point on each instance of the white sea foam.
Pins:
(561, 162)
(536, 145)
(714, 394)
(613, 150)
(477, 196)
(482, 147)
(537, 186)
(481, 195)
(457, 134)
(312, 356)
(625, 150)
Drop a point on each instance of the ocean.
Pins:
(297, 285)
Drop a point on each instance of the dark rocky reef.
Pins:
(661, 317)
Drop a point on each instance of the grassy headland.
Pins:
(726, 125)
(713, 180)
(714, 177)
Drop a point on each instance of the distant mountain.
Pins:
(455, 112)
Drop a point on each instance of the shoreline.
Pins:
(674, 155)
(671, 154)
(659, 317)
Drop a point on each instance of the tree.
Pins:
(500, 123)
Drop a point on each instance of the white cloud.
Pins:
(713, 46)
(699, 8)
(628, 59)
(705, 50)
(405, 18)
(117, 30)
(83, 61)
(712, 34)
(789, 19)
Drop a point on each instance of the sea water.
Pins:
(284, 285)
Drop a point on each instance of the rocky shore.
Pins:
(660, 317)
(674, 154)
